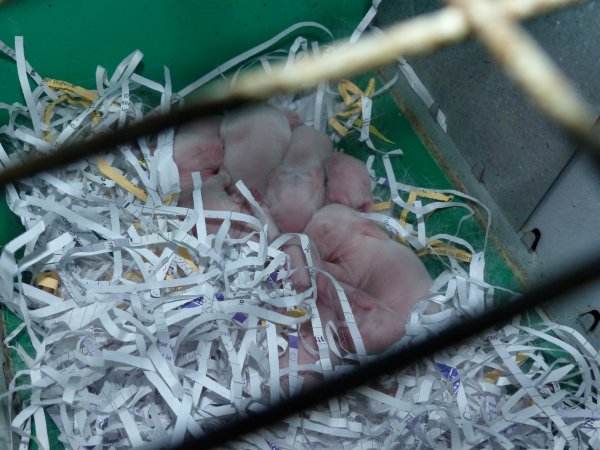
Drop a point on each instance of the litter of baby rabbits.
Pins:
(166, 296)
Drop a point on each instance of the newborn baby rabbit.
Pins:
(255, 140)
(348, 182)
(296, 188)
(197, 148)
(382, 279)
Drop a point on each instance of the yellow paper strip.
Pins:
(182, 251)
(337, 126)
(295, 313)
(493, 375)
(47, 115)
(434, 195)
(133, 276)
(47, 280)
(411, 200)
(345, 88)
(370, 88)
(168, 199)
(449, 250)
(382, 206)
(350, 111)
(112, 174)
(374, 131)
(66, 86)
(95, 114)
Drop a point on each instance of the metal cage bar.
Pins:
(494, 22)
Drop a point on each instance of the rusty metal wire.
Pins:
(494, 22)
(416, 36)
(529, 66)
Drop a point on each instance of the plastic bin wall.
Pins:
(502, 150)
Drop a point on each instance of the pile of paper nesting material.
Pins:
(144, 333)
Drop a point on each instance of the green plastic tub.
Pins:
(66, 40)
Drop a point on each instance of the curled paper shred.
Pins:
(146, 332)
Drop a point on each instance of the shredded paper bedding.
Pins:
(145, 333)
